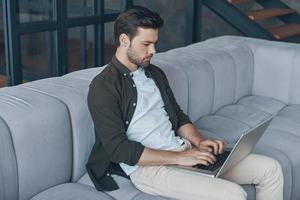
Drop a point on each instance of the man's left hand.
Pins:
(214, 146)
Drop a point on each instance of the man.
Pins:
(140, 127)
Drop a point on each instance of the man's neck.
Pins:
(122, 57)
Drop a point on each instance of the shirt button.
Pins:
(131, 74)
(127, 122)
(133, 85)
(125, 74)
(134, 104)
(107, 174)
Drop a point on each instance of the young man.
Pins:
(140, 127)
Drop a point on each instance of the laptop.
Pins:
(231, 156)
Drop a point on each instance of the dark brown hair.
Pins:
(129, 20)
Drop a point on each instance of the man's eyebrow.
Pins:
(149, 41)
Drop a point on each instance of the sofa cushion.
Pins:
(284, 135)
(41, 134)
(212, 83)
(286, 143)
(251, 192)
(231, 121)
(221, 70)
(280, 79)
(247, 115)
(72, 92)
(286, 124)
(208, 134)
(243, 64)
(285, 163)
(227, 128)
(127, 191)
(269, 77)
(266, 104)
(291, 111)
(86, 74)
(196, 73)
(8, 164)
(288, 119)
(174, 73)
(71, 191)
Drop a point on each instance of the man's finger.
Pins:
(205, 148)
(208, 157)
(214, 145)
(221, 146)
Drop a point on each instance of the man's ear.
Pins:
(124, 40)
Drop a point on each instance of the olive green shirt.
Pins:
(111, 100)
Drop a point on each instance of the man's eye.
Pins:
(146, 45)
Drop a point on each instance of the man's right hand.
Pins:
(195, 156)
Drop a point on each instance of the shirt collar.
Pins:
(123, 69)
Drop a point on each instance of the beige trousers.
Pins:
(264, 172)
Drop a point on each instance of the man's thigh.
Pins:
(180, 184)
(251, 170)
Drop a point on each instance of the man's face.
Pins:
(142, 46)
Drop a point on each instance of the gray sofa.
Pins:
(226, 85)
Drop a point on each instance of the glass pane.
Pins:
(80, 47)
(176, 26)
(38, 53)
(80, 8)
(110, 48)
(2, 49)
(114, 6)
(36, 10)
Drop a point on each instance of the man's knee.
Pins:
(275, 170)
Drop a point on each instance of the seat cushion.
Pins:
(244, 114)
(231, 121)
(288, 120)
(227, 128)
(284, 161)
(266, 104)
(279, 140)
(251, 192)
(284, 135)
(127, 191)
(72, 191)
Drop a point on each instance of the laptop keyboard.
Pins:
(220, 160)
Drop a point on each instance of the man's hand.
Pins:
(195, 156)
(214, 146)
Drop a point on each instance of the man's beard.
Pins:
(136, 60)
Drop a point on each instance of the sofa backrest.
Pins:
(276, 66)
(214, 76)
(276, 70)
(37, 153)
(8, 165)
(72, 90)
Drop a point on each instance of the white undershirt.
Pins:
(150, 124)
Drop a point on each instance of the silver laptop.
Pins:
(231, 156)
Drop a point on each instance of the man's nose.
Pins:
(152, 50)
